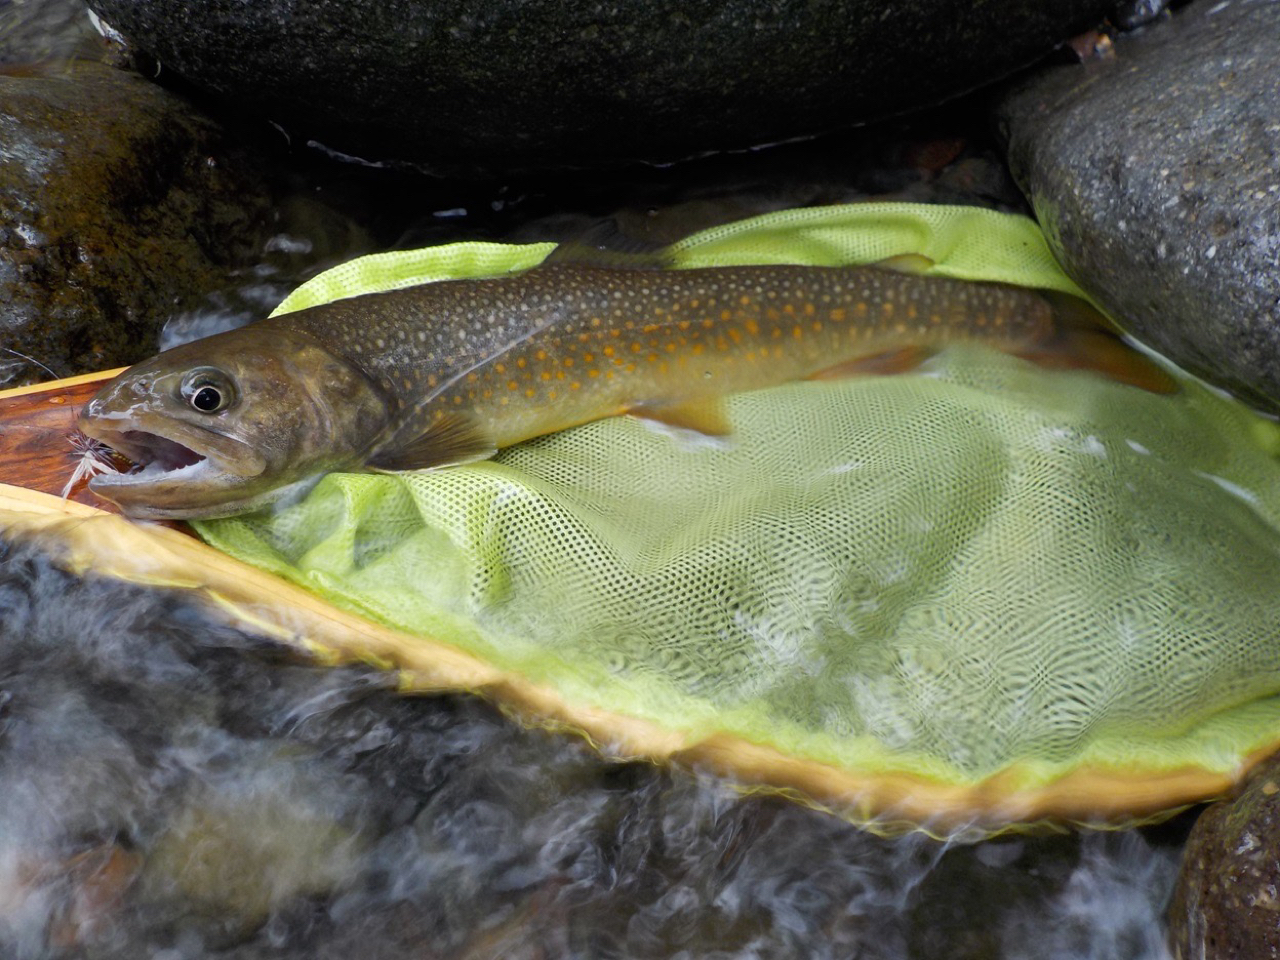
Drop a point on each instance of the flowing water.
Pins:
(174, 788)
(171, 788)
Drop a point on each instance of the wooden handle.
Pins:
(37, 424)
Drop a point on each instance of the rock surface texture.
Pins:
(1226, 905)
(471, 86)
(1156, 176)
(118, 205)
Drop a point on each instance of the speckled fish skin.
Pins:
(454, 370)
(563, 345)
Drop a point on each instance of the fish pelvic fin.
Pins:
(705, 416)
(452, 438)
(876, 364)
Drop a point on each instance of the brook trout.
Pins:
(452, 371)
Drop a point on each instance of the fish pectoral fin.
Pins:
(877, 364)
(707, 417)
(451, 439)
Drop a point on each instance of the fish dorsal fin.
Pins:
(915, 264)
(606, 245)
(452, 438)
(707, 416)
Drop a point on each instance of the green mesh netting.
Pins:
(979, 567)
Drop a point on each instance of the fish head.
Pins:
(231, 424)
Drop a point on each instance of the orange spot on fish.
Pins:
(708, 324)
(753, 328)
(530, 393)
(734, 334)
(541, 355)
(817, 325)
(472, 378)
(500, 367)
(789, 309)
(838, 314)
(546, 374)
(860, 309)
(521, 363)
(744, 300)
(671, 347)
(649, 328)
(636, 348)
(684, 324)
(697, 349)
(568, 361)
(511, 385)
(797, 332)
(608, 351)
(593, 373)
(588, 358)
(886, 309)
(575, 385)
(652, 357)
(809, 309)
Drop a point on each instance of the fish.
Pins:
(452, 371)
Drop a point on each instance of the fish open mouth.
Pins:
(151, 455)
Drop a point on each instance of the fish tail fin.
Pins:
(1086, 339)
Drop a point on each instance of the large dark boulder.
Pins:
(1226, 905)
(118, 205)
(1154, 174)
(470, 86)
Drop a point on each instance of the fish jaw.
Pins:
(172, 461)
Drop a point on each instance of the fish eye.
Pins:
(208, 390)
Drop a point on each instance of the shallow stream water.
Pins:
(174, 788)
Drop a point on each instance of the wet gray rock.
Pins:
(1226, 904)
(118, 205)
(1154, 174)
(494, 85)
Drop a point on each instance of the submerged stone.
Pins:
(1226, 904)
(493, 85)
(1153, 174)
